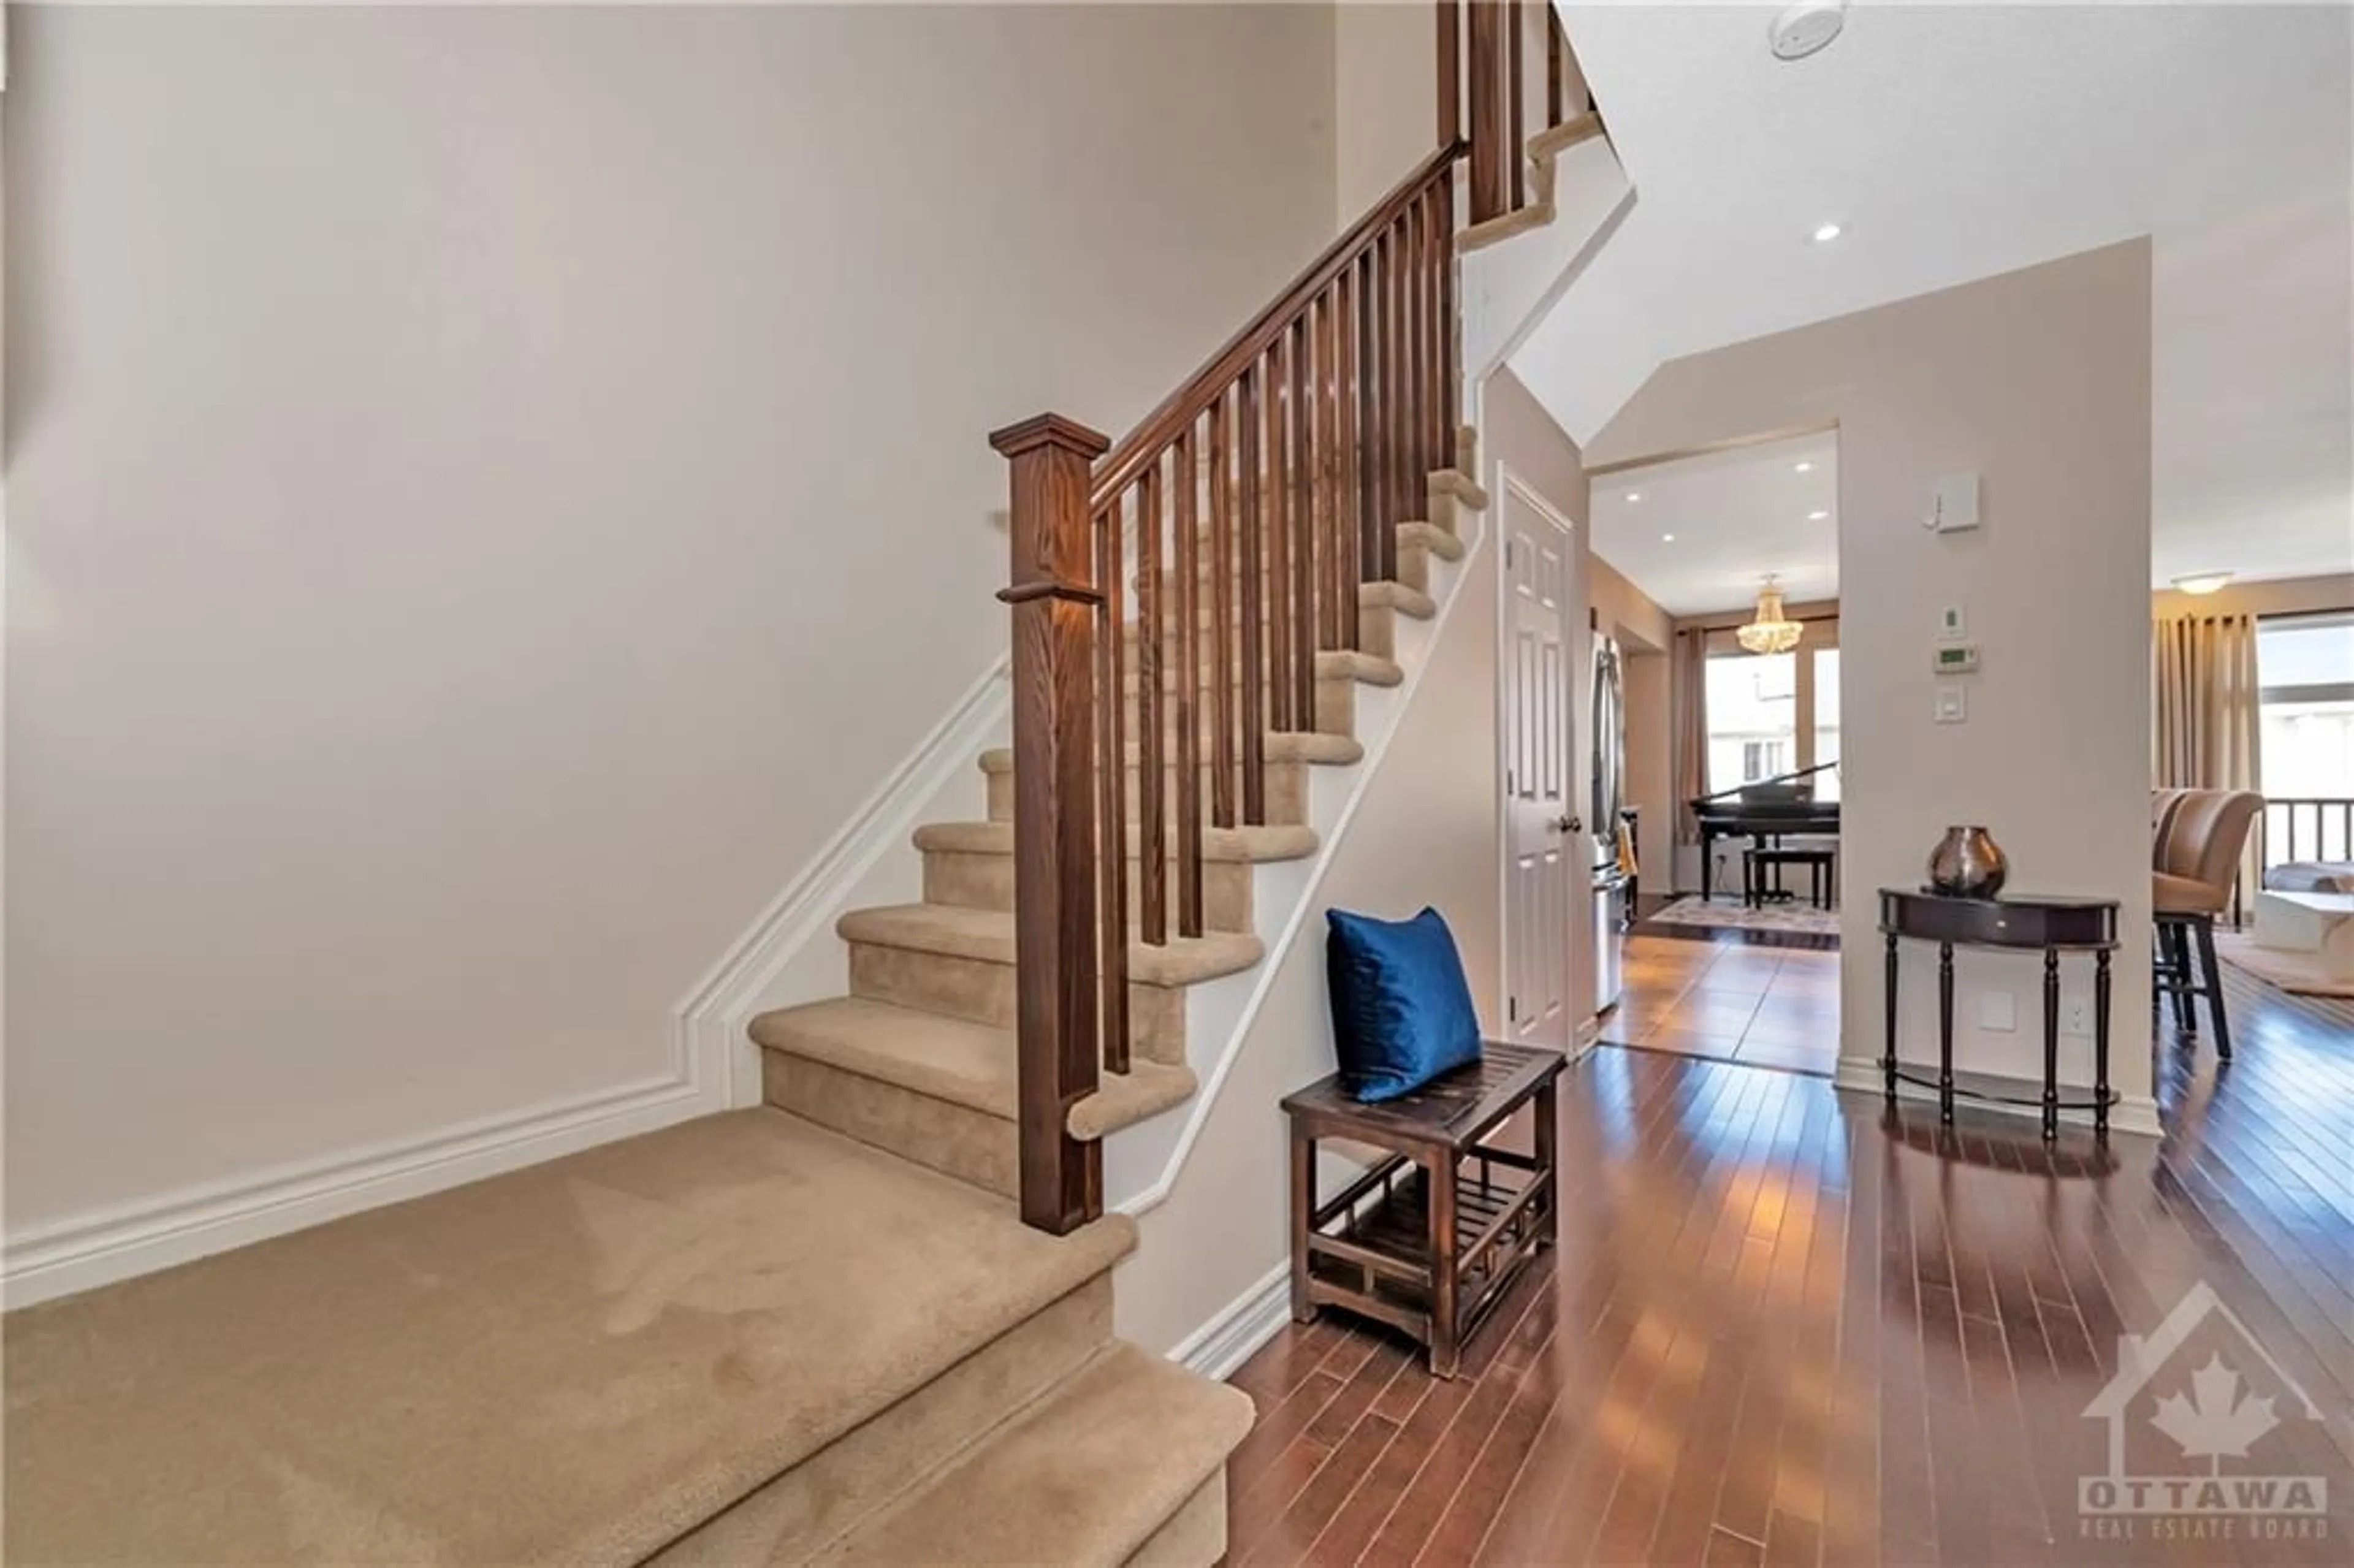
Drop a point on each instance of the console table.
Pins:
(2054, 926)
(1427, 1239)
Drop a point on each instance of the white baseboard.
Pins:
(2131, 1113)
(80, 1253)
(1239, 1329)
(711, 1018)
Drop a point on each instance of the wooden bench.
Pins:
(1427, 1239)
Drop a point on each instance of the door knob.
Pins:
(1570, 825)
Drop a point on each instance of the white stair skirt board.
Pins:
(1219, 1347)
(1142, 1163)
(2130, 1114)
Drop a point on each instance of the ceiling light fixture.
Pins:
(1806, 28)
(1825, 232)
(2202, 582)
(1772, 632)
(1633, 495)
(1817, 515)
(1667, 538)
(1802, 466)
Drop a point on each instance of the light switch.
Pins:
(1953, 704)
(1998, 1013)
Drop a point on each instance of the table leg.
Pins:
(1888, 1049)
(1707, 865)
(1945, 1033)
(1440, 1180)
(2101, 1045)
(2051, 1043)
(1548, 1130)
(1303, 1205)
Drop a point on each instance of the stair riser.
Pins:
(1287, 793)
(953, 1140)
(801, 1511)
(1336, 712)
(983, 991)
(1194, 1536)
(986, 881)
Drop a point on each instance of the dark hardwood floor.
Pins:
(1781, 1328)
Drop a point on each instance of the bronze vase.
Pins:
(1967, 863)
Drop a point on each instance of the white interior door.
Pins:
(1543, 872)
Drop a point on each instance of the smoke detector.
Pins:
(1806, 28)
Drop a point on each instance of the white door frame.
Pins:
(1511, 486)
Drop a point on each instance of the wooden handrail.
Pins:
(1158, 430)
(1250, 510)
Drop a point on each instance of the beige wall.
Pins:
(1646, 635)
(1385, 99)
(493, 489)
(2055, 754)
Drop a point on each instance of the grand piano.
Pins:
(1762, 812)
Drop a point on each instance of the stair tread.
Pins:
(574, 1361)
(1271, 842)
(1312, 747)
(1332, 664)
(952, 1059)
(1084, 1476)
(987, 935)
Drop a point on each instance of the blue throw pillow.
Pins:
(1401, 1008)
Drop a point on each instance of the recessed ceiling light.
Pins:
(1817, 515)
(1667, 538)
(2202, 582)
(1633, 495)
(1827, 232)
(1802, 468)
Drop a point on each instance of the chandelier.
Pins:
(1772, 632)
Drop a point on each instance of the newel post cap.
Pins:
(1050, 430)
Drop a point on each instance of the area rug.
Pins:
(1731, 914)
(2298, 972)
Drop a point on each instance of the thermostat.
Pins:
(1955, 658)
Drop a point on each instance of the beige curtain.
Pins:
(2208, 709)
(2208, 712)
(1691, 730)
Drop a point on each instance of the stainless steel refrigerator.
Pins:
(1611, 870)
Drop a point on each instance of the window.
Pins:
(1827, 721)
(2306, 665)
(1752, 717)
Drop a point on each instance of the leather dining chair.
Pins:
(2197, 862)
(2163, 804)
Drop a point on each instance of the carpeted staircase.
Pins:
(814, 1332)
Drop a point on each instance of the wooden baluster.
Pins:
(1279, 532)
(1332, 513)
(1489, 177)
(1301, 579)
(1152, 643)
(1556, 101)
(1451, 72)
(1516, 135)
(1434, 329)
(1251, 561)
(1189, 684)
(1395, 427)
(1347, 461)
(1368, 418)
(1112, 784)
(1055, 610)
(1449, 392)
(1222, 615)
(1418, 370)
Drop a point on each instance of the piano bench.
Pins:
(1757, 862)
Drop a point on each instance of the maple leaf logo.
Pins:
(2216, 1419)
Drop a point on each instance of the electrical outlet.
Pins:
(2076, 1016)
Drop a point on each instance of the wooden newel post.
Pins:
(1491, 152)
(1056, 605)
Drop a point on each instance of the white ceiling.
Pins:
(1959, 142)
(1736, 516)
